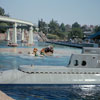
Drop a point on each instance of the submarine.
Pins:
(83, 68)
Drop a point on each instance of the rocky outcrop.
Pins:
(43, 36)
(2, 36)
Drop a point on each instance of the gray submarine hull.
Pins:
(55, 75)
(82, 69)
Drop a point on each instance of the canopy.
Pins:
(94, 36)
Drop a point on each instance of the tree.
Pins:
(67, 28)
(76, 33)
(42, 26)
(56, 29)
(62, 27)
(2, 24)
(53, 27)
(97, 29)
(75, 25)
(85, 28)
(2, 11)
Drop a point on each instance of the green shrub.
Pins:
(51, 36)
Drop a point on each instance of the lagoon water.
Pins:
(11, 60)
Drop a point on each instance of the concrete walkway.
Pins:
(3, 96)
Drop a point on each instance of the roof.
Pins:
(95, 35)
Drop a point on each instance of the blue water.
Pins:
(68, 92)
(10, 61)
(44, 92)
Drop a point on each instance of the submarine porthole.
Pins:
(64, 72)
(83, 63)
(77, 72)
(50, 72)
(75, 62)
(46, 72)
(85, 72)
(41, 72)
(93, 57)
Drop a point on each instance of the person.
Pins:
(35, 51)
(48, 50)
(51, 49)
(42, 52)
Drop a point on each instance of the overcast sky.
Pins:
(66, 11)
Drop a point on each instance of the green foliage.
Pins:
(2, 11)
(97, 29)
(85, 28)
(63, 35)
(3, 30)
(75, 25)
(51, 36)
(67, 28)
(62, 27)
(56, 29)
(53, 27)
(42, 26)
(76, 33)
(62, 31)
(3, 24)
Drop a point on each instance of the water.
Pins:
(9, 61)
(68, 92)
(45, 92)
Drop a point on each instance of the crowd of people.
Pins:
(44, 51)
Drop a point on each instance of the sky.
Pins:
(63, 11)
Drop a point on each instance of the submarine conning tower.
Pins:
(90, 58)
